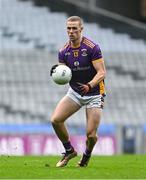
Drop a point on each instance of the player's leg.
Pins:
(93, 119)
(65, 108)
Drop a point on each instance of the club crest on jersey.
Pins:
(84, 52)
(76, 53)
(76, 63)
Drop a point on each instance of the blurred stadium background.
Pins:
(31, 33)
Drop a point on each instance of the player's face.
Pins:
(74, 30)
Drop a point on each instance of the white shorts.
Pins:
(88, 101)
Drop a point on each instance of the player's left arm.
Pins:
(100, 75)
(99, 66)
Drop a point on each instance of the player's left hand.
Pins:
(84, 88)
(52, 69)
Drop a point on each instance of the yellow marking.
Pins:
(88, 41)
(98, 60)
(76, 53)
(88, 44)
(102, 87)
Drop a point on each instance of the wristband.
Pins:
(89, 86)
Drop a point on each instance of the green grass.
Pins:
(100, 167)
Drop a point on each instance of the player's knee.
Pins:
(54, 120)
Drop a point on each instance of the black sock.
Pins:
(68, 147)
(88, 152)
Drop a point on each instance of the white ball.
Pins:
(62, 74)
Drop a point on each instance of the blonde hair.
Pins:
(75, 18)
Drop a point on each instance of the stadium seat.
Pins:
(28, 49)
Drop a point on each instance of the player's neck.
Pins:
(77, 43)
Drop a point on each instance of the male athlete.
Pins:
(87, 89)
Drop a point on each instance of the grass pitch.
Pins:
(100, 167)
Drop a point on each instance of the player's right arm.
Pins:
(54, 67)
(61, 59)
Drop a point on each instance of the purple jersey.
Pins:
(80, 62)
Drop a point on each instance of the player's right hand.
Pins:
(52, 69)
(84, 88)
